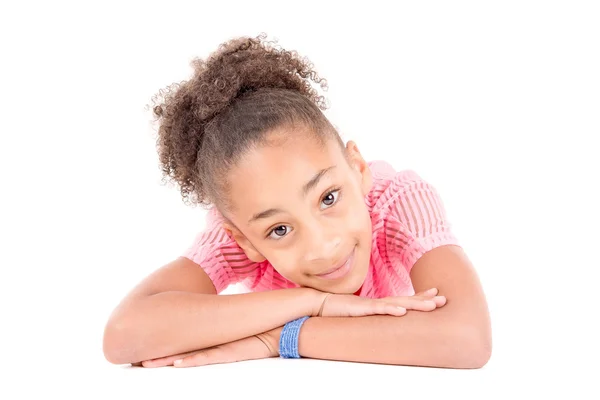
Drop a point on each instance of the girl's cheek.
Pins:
(286, 263)
(357, 221)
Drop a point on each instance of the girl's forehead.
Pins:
(292, 158)
(272, 176)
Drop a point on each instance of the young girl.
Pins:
(331, 248)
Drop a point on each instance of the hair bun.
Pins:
(247, 64)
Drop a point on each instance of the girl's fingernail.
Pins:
(177, 362)
(432, 290)
(439, 297)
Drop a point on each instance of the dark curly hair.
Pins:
(243, 90)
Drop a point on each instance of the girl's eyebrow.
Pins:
(311, 184)
(265, 214)
(315, 180)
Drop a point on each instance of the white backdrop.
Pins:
(497, 105)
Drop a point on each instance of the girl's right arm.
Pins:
(176, 309)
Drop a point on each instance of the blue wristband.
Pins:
(288, 340)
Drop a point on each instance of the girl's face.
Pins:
(300, 205)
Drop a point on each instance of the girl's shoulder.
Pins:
(408, 215)
(390, 185)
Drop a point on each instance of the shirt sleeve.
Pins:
(415, 220)
(219, 255)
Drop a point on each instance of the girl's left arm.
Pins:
(457, 335)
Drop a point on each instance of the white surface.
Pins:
(496, 105)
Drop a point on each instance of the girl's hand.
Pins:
(263, 345)
(347, 305)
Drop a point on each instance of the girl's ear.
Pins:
(243, 242)
(358, 163)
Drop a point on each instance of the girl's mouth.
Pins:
(341, 271)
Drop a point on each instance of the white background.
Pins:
(496, 104)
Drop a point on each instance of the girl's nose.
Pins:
(322, 246)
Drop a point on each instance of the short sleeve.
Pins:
(415, 220)
(219, 255)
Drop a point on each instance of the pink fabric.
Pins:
(408, 219)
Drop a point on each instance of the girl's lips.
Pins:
(340, 271)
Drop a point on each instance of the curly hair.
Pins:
(243, 90)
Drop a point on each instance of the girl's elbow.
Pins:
(476, 347)
(115, 344)
(479, 356)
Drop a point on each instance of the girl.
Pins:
(331, 248)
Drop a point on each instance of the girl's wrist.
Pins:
(289, 338)
(317, 301)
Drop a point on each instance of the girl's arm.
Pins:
(457, 335)
(176, 309)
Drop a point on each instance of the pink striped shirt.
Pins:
(408, 219)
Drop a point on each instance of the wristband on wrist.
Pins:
(288, 340)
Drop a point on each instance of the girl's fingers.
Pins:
(439, 301)
(165, 361)
(424, 304)
(428, 293)
(386, 308)
(250, 348)
(203, 357)
(393, 309)
(415, 302)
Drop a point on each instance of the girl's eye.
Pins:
(331, 198)
(279, 231)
